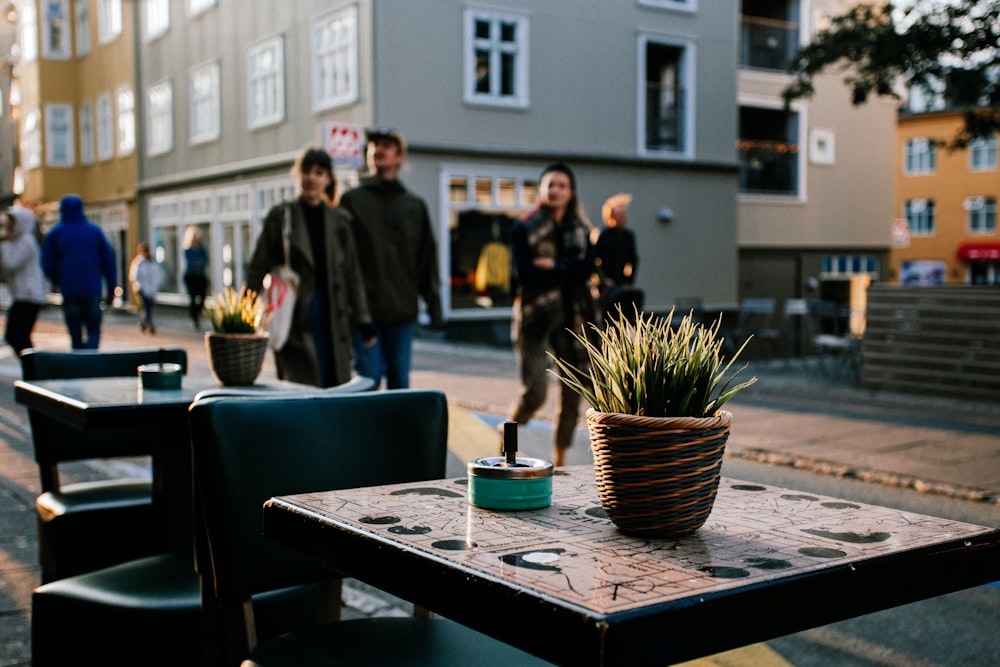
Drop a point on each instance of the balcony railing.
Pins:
(767, 43)
(768, 167)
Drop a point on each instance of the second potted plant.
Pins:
(237, 345)
(657, 429)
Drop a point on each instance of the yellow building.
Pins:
(946, 203)
(77, 131)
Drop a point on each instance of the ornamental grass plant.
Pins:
(653, 369)
(236, 312)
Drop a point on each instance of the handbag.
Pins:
(281, 292)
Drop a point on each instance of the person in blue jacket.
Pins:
(80, 262)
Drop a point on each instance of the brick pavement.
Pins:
(792, 417)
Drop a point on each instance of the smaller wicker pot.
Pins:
(658, 476)
(236, 359)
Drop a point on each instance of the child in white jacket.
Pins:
(22, 271)
(146, 278)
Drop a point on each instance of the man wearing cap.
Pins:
(79, 260)
(398, 255)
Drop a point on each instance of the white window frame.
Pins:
(81, 24)
(109, 20)
(205, 104)
(496, 50)
(983, 154)
(266, 83)
(478, 199)
(59, 135)
(688, 80)
(981, 214)
(689, 6)
(921, 216)
(31, 139)
(56, 40)
(919, 156)
(27, 21)
(159, 118)
(124, 120)
(335, 59)
(86, 122)
(196, 7)
(156, 15)
(105, 127)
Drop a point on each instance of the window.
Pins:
(769, 34)
(266, 83)
(483, 204)
(919, 214)
(920, 156)
(842, 266)
(496, 58)
(160, 118)
(31, 140)
(105, 133)
(205, 104)
(983, 153)
(664, 96)
(109, 20)
(768, 151)
(59, 135)
(125, 107)
(81, 16)
(335, 59)
(86, 133)
(157, 17)
(55, 30)
(28, 23)
(982, 212)
(196, 7)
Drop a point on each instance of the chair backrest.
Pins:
(247, 449)
(56, 442)
(826, 316)
(756, 313)
(47, 365)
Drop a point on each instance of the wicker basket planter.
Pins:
(658, 476)
(235, 358)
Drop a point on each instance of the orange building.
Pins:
(948, 200)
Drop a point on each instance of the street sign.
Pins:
(345, 144)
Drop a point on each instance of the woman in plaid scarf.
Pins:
(553, 261)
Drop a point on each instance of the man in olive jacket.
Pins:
(398, 253)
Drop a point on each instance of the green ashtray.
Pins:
(161, 376)
(496, 484)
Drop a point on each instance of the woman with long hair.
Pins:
(553, 261)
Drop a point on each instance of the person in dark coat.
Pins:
(79, 260)
(331, 292)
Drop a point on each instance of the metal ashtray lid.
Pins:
(497, 467)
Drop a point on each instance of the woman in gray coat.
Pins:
(331, 292)
(21, 269)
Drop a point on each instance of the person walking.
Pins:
(617, 260)
(145, 275)
(80, 262)
(21, 269)
(331, 293)
(195, 273)
(553, 260)
(398, 252)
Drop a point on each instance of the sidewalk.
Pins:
(791, 417)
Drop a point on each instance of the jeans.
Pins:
(20, 321)
(389, 356)
(79, 313)
(319, 322)
(146, 313)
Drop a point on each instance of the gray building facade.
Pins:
(638, 96)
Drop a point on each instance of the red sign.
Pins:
(345, 144)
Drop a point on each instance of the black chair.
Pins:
(90, 525)
(148, 611)
(325, 443)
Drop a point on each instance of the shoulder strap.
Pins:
(286, 232)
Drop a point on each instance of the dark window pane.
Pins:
(508, 32)
(482, 29)
(508, 82)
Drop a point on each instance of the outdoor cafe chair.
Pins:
(86, 526)
(147, 611)
(248, 449)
